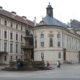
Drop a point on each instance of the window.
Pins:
(11, 48)
(16, 26)
(42, 35)
(21, 38)
(27, 32)
(5, 23)
(16, 48)
(58, 35)
(42, 44)
(5, 47)
(11, 58)
(11, 24)
(5, 34)
(5, 58)
(58, 44)
(51, 42)
(59, 55)
(21, 27)
(11, 35)
(16, 36)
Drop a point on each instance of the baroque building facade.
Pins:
(54, 40)
(12, 32)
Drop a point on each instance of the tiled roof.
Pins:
(15, 17)
(52, 21)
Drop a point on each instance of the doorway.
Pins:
(64, 54)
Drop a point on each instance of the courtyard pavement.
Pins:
(66, 72)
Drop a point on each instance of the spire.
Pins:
(49, 10)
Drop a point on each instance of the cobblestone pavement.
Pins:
(66, 71)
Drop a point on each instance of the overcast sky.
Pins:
(64, 10)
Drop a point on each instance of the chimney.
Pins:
(13, 13)
(34, 21)
(24, 17)
(1, 8)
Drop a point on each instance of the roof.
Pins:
(52, 21)
(15, 17)
(75, 23)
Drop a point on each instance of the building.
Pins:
(12, 32)
(75, 24)
(54, 40)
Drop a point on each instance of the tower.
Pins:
(49, 10)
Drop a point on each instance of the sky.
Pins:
(63, 10)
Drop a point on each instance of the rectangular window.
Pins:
(51, 42)
(58, 35)
(42, 44)
(21, 38)
(11, 24)
(58, 44)
(11, 48)
(5, 58)
(16, 48)
(11, 35)
(5, 34)
(5, 23)
(16, 26)
(21, 28)
(11, 58)
(16, 36)
(42, 35)
(5, 47)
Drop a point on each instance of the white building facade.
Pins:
(12, 31)
(53, 41)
